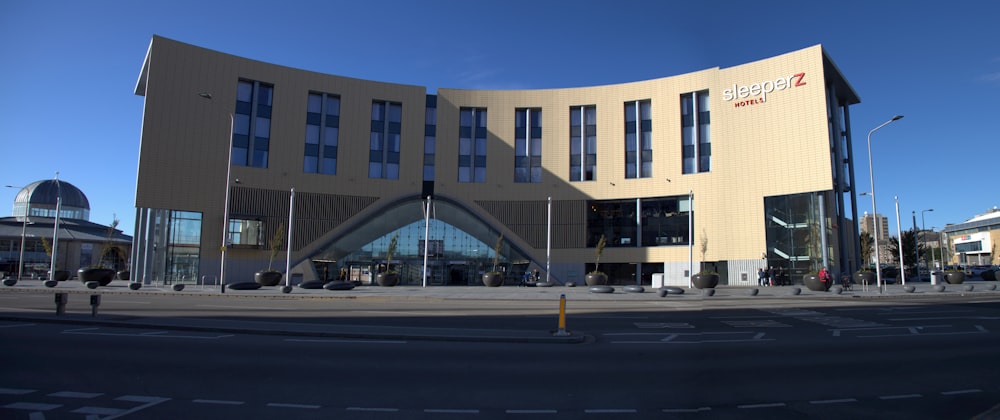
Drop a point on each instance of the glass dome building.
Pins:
(40, 199)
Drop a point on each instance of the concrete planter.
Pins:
(705, 280)
(954, 277)
(813, 282)
(492, 279)
(596, 279)
(387, 279)
(864, 277)
(102, 276)
(267, 278)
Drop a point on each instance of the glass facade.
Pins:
(252, 124)
(472, 145)
(638, 139)
(583, 143)
(430, 137)
(528, 145)
(383, 156)
(696, 139)
(245, 232)
(655, 221)
(795, 230)
(322, 134)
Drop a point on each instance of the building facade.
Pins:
(728, 169)
(974, 242)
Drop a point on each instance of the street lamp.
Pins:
(871, 179)
(24, 228)
(899, 233)
(225, 211)
(690, 238)
(55, 231)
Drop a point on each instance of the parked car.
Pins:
(976, 271)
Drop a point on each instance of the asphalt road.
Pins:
(646, 359)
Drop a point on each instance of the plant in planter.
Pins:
(104, 271)
(597, 277)
(864, 275)
(705, 279)
(389, 277)
(494, 278)
(814, 280)
(271, 277)
(954, 276)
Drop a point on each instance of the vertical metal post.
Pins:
(288, 255)
(55, 231)
(548, 243)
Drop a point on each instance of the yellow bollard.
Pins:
(562, 317)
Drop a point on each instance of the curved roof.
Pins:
(44, 193)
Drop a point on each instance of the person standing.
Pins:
(770, 275)
(760, 276)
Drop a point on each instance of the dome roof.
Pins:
(43, 194)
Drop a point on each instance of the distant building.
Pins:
(868, 223)
(975, 241)
(81, 243)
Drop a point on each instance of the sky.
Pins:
(70, 70)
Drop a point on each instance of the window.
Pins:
(661, 221)
(638, 140)
(582, 143)
(322, 132)
(528, 145)
(472, 145)
(695, 133)
(245, 232)
(383, 156)
(252, 123)
(430, 137)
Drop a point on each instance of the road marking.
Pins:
(900, 397)
(100, 411)
(762, 405)
(15, 391)
(72, 394)
(610, 411)
(306, 340)
(695, 338)
(963, 391)
(686, 410)
(243, 307)
(153, 334)
(32, 406)
(220, 402)
(450, 411)
(837, 401)
(767, 323)
(148, 400)
(284, 405)
(17, 325)
(374, 409)
(662, 325)
(532, 411)
(945, 317)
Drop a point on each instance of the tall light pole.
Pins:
(55, 231)
(923, 230)
(225, 211)
(871, 179)
(899, 232)
(24, 228)
(690, 238)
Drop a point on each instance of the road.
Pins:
(640, 360)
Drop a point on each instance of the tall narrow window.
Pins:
(322, 132)
(582, 143)
(528, 145)
(472, 145)
(383, 155)
(430, 137)
(696, 132)
(252, 123)
(638, 140)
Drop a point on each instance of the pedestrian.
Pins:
(824, 277)
(760, 276)
(770, 275)
(537, 276)
(525, 279)
(343, 274)
(781, 276)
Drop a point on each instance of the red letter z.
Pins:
(798, 79)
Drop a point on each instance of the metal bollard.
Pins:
(95, 301)
(61, 300)
(562, 317)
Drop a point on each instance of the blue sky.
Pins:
(70, 69)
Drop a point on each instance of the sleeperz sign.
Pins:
(757, 93)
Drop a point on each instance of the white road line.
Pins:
(285, 405)
(221, 402)
(148, 400)
(15, 391)
(762, 405)
(450, 411)
(686, 410)
(373, 409)
(73, 394)
(532, 411)
(610, 411)
(900, 396)
(242, 307)
(962, 391)
(837, 401)
(17, 325)
(32, 406)
(305, 340)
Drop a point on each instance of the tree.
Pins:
(867, 248)
(909, 248)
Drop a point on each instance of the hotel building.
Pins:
(727, 169)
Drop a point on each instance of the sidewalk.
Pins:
(726, 296)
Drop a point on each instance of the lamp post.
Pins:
(899, 233)
(690, 238)
(24, 228)
(225, 211)
(923, 240)
(871, 179)
(55, 231)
